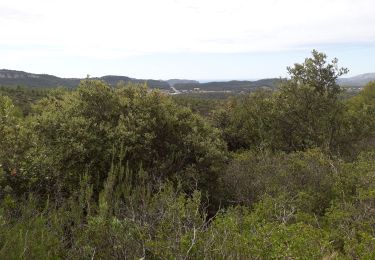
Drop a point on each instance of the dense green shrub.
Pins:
(307, 177)
(80, 131)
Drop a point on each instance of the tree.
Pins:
(309, 111)
(317, 73)
(305, 112)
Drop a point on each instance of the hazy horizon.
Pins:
(183, 39)
(165, 79)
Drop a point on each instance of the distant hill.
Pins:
(357, 81)
(151, 83)
(234, 85)
(21, 78)
(173, 82)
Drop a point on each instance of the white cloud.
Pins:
(107, 29)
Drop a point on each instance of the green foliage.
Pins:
(350, 218)
(306, 177)
(245, 235)
(247, 122)
(128, 173)
(316, 73)
(306, 119)
(23, 98)
(14, 142)
(359, 120)
(198, 104)
(304, 113)
(27, 236)
(79, 131)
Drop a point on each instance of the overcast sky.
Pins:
(195, 39)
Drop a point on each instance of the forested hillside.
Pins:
(24, 79)
(124, 172)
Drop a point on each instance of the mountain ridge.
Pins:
(22, 78)
(358, 80)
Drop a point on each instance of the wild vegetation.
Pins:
(103, 172)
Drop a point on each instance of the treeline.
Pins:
(123, 172)
(234, 86)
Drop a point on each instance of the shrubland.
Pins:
(124, 172)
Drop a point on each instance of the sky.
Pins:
(192, 39)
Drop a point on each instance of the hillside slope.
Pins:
(358, 81)
(21, 78)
